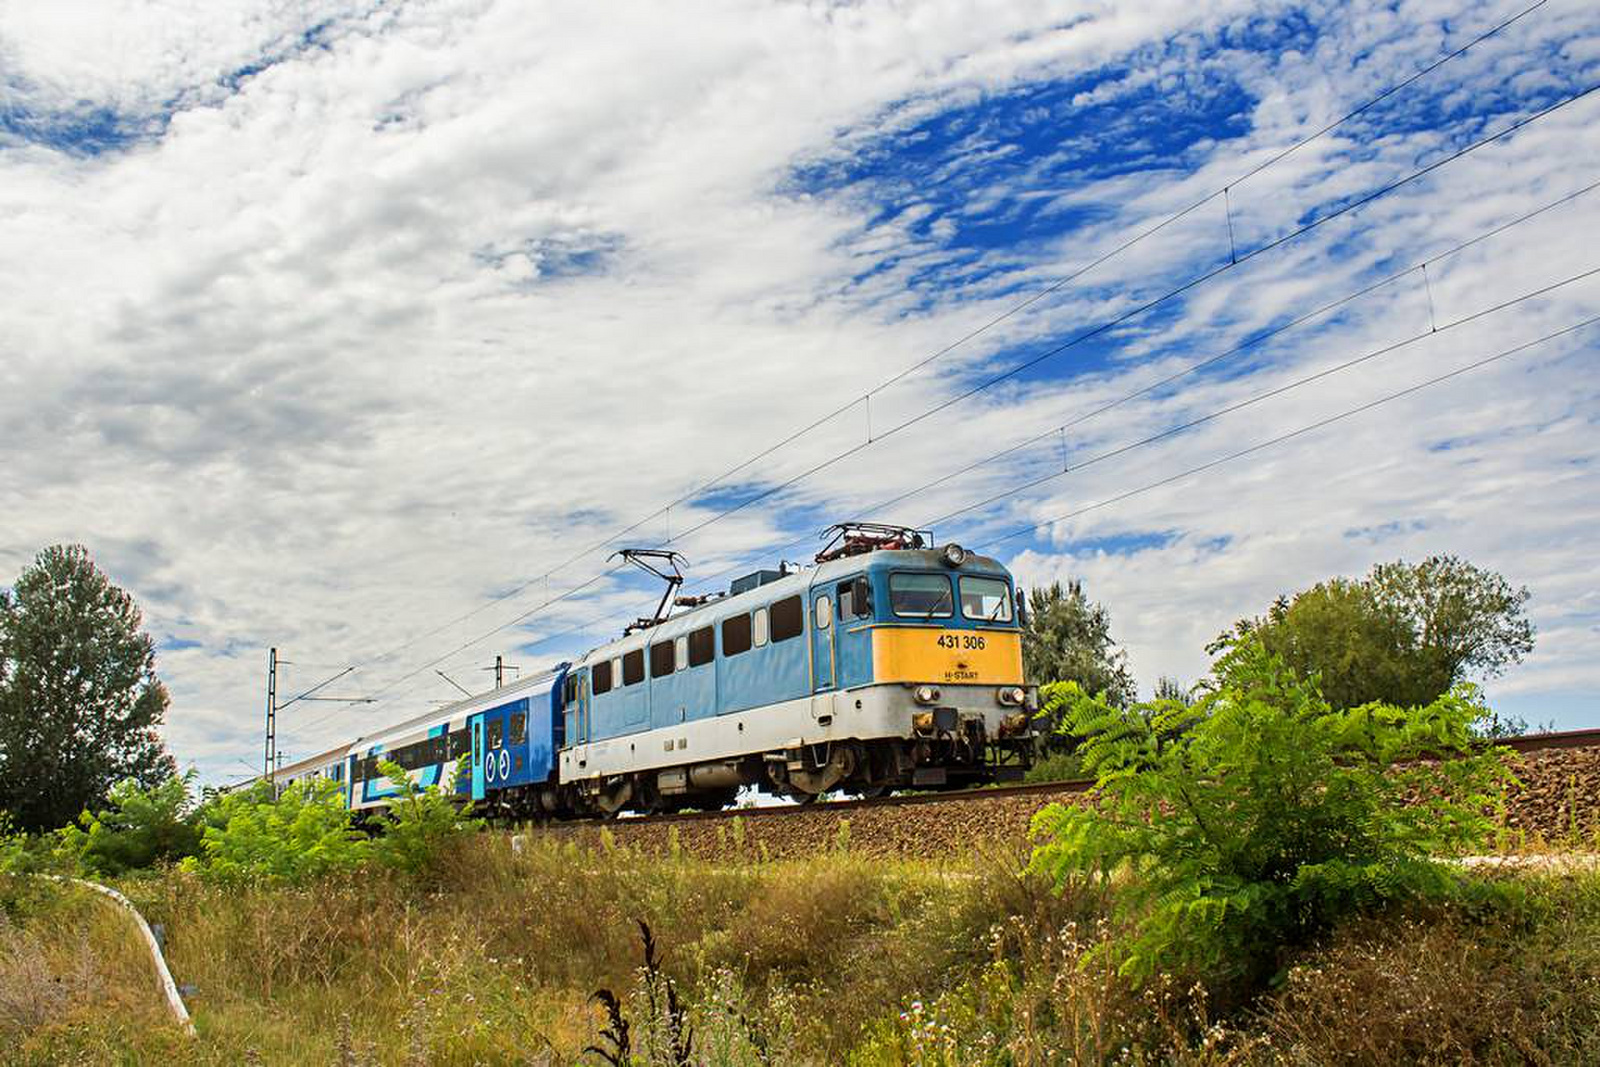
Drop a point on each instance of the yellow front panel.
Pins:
(928, 654)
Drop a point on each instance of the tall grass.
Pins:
(494, 959)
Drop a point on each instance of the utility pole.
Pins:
(500, 667)
(270, 759)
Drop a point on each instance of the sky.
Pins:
(368, 331)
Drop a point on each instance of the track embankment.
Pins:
(1557, 801)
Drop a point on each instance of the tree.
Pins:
(1403, 635)
(1259, 816)
(80, 704)
(1068, 639)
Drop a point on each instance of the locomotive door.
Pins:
(824, 651)
(477, 758)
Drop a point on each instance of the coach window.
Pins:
(824, 612)
(985, 599)
(735, 635)
(761, 627)
(788, 619)
(661, 659)
(923, 596)
(601, 673)
(702, 646)
(519, 728)
(633, 667)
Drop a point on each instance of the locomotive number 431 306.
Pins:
(949, 640)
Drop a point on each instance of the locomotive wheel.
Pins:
(872, 792)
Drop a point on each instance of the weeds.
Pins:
(839, 960)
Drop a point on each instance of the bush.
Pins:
(304, 834)
(141, 828)
(1256, 818)
(418, 824)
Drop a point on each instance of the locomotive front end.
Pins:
(947, 665)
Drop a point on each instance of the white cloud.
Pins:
(427, 304)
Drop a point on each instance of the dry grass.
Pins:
(838, 959)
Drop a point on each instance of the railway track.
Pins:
(1568, 739)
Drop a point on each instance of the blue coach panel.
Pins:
(520, 736)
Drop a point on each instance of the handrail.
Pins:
(169, 988)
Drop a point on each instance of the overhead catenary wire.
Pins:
(1461, 321)
(1173, 431)
(1085, 335)
(1069, 467)
(1300, 432)
(1150, 305)
(986, 326)
(1250, 342)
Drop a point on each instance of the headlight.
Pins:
(927, 694)
(1012, 696)
(954, 555)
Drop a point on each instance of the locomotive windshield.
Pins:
(985, 599)
(922, 596)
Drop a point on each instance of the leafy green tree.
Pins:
(80, 704)
(1403, 635)
(1068, 638)
(140, 828)
(1257, 817)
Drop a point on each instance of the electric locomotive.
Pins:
(888, 664)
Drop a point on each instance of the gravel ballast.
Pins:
(1557, 801)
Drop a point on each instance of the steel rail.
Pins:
(1564, 739)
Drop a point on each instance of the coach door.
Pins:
(477, 758)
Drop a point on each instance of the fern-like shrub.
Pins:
(1252, 820)
(418, 824)
(302, 835)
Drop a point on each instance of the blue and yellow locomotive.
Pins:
(887, 665)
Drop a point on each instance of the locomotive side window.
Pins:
(761, 627)
(855, 598)
(702, 646)
(824, 613)
(633, 667)
(601, 673)
(735, 635)
(922, 596)
(985, 599)
(661, 659)
(788, 619)
(681, 651)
